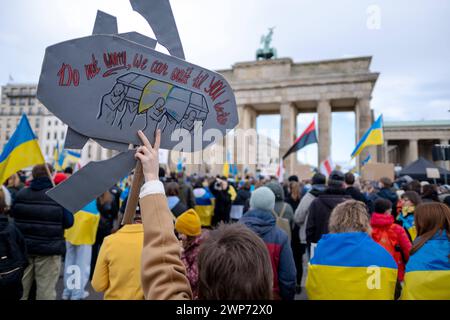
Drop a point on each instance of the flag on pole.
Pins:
(226, 169)
(280, 171)
(307, 137)
(366, 160)
(372, 137)
(326, 167)
(56, 156)
(67, 158)
(21, 151)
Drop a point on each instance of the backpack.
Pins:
(388, 239)
(11, 263)
(282, 222)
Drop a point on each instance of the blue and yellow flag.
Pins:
(56, 158)
(85, 225)
(68, 157)
(21, 151)
(427, 274)
(351, 266)
(372, 137)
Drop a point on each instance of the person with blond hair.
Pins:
(347, 263)
(428, 269)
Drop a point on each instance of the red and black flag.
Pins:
(307, 137)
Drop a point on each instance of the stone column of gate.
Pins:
(362, 125)
(324, 115)
(413, 150)
(244, 144)
(444, 164)
(288, 131)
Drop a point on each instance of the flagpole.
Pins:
(49, 174)
(133, 195)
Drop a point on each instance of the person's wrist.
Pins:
(150, 177)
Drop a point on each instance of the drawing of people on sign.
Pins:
(147, 104)
(112, 103)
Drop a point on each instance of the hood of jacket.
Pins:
(277, 190)
(317, 189)
(260, 221)
(381, 220)
(388, 194)
(332, 197)
(41, 183)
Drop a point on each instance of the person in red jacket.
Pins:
(390, 235)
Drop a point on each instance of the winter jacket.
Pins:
(243, 199)
(222, 205)
(13, 254)
(302, 212)
(176, 206)
(186, 195)
(387, 193)
(385, 222)
(355, 194)
(320, 211)
(263, 223)
(168, 280)
(427, 274)
(40, 219)
(117, 272)
(370, 201)
(189, 256)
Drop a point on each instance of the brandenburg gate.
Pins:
(281, 86)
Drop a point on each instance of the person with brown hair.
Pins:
(409, 201)
(347, 263)
(234, 264)
(428, 270)
(163, 273)
(385, 185)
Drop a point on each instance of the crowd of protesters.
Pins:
(221, 238)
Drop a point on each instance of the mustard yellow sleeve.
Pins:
(163, 274)
(100, 279)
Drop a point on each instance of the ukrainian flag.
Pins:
(56, 158)
(85, 225)
(204, 205)
(351, 266)
(67, 157)
(21, 151)
(373, 137)
(427, 275)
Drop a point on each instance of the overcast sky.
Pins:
(410, 45)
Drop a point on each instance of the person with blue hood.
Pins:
(261, 220)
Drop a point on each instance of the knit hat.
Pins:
(336, 178)
(262, 198)
(59, 177)
(189, 223)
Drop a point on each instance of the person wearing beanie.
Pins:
(321, 207)
(261, 219)
(189, 228)
(59, 177)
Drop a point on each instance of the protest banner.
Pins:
(375, 171)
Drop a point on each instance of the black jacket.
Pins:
(40, 219)
(319, 213)
(222, 206)
(178, 209)
(355, 194)
(243, 199)
(390, 195)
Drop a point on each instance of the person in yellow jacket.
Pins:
(118, 269)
